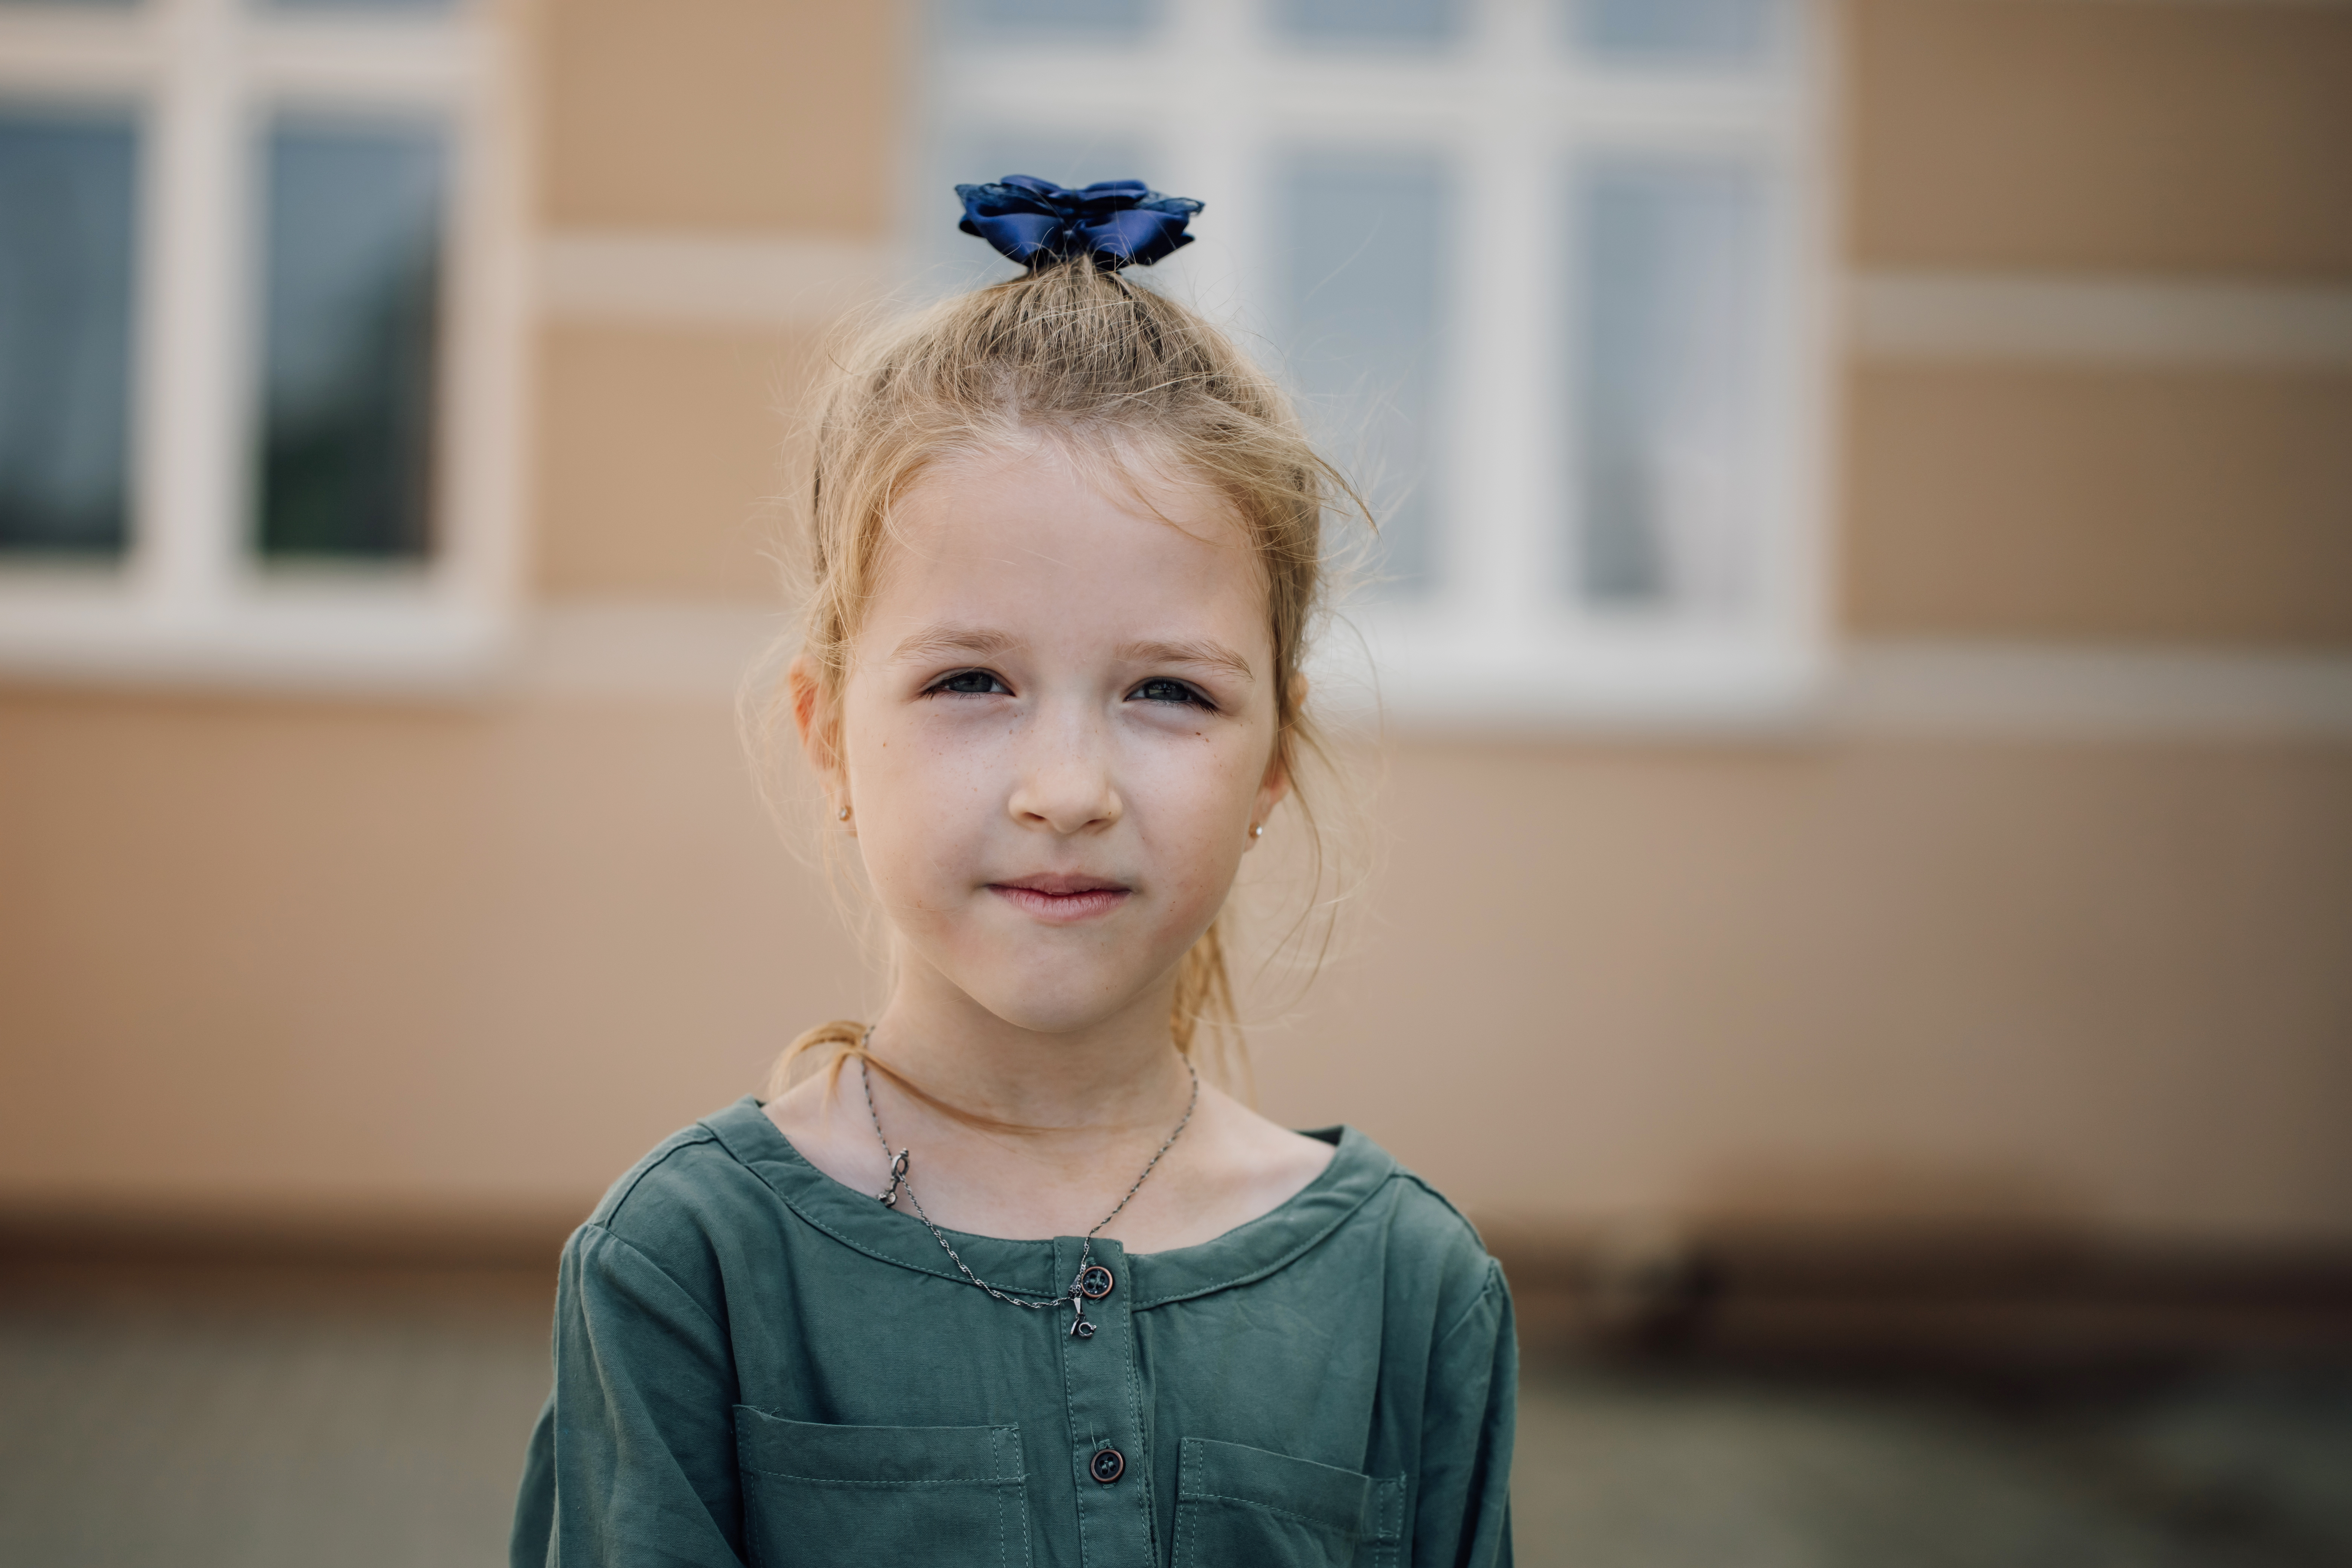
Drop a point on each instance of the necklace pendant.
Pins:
(890, 1198)
(1080, 1329)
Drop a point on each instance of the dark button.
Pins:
(1107, 1466)
(1096, 1283)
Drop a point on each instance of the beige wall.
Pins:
(659, 467)
(2153, 139)
(2069, 984)
(2166, 506)
(726, 114)
(266, 952)
(262, 955)
(271, 956)
(267, 955)
(2153, 135)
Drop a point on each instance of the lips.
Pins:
(1061, 899)
(1059, 885)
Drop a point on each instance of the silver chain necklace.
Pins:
(1092, 1282)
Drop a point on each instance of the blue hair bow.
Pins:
(1115, 222)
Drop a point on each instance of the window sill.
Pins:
(300, 634)
(1438, 674)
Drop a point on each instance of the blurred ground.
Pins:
(251, 1421)
(1685, 1467)
(250, 1418)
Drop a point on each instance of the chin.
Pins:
(1051, 1015)
(1063, 1006)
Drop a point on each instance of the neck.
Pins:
(1117, 1074)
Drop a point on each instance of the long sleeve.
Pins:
(634, 1461)
(1462, 1518)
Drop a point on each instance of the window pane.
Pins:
(1364, 236)
(1675, 32)
(353, 264)
(66, 199)
(1379, 21)
(1672, 274)
(1091, 21)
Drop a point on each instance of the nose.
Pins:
(1065, 781)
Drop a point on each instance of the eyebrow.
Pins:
(1215, 655)
(937, 640)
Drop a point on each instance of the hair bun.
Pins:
(1114, 223)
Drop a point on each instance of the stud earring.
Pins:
(1257, 830)
(844, 814)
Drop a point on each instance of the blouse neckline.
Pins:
(1251, 1251)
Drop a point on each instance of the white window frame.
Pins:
(1216, 94)
(189, 601)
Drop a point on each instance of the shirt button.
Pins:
(1096, 1283)
(1107, 1466)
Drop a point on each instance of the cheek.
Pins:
(915, 798)
(1198, 801)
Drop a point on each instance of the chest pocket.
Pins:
(1240, 1505)
(820, 1494)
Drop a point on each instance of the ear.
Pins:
(818, 722)
(1275, 787)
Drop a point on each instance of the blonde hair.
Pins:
(1111, 372)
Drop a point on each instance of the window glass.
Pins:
(1672, 295)
(67, 204)
(1075, 20)
(1360, 299)
(1373, 21)
(353, 289)
(1675, 32)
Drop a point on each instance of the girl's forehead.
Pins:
(1131, 473)
(1047, 532)
(1048, 499)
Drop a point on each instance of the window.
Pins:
(258, 341)
(1548, 274)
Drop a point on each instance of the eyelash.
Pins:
(1183, 694)
(944, 685)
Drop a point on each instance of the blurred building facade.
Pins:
(1996, 870)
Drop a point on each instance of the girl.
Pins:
(1007, 1283)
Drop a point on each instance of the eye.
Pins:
(970, 683)
(1160, 689)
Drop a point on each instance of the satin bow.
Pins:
(1116, 222)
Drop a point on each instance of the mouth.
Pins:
(1061, 899)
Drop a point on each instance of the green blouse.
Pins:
(754, 1363)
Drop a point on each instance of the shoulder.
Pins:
(1427, 1243)
(1408, 1204)
(679, 1204)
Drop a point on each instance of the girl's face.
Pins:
(1058, 731)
